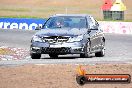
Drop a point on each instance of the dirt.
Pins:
(58, 76)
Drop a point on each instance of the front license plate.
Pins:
(55, 46)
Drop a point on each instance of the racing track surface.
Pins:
(118, 49)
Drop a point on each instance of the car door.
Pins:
(94, 34)
(99, 36)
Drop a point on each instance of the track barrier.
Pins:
(32, 23)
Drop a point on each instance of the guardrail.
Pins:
(32, 23)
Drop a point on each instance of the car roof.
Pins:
(83, 15)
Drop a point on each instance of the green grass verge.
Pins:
(19, 17)
(15, 9)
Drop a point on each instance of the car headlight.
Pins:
(36, 39)
(76, 39)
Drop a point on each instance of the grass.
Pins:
(15, 9)
(20, 16)
(45, 8)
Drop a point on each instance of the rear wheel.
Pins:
(86, 51)
(35, 56)
(102, 52)
(53, 56)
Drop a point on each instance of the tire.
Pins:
(86, 53)
(102, 52)
(81, 80)
(53, 56)
(35, 56)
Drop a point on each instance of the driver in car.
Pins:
(59, 23)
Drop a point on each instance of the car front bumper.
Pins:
(57, 48)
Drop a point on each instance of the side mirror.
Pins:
(38, 28)
(89, 30)
(94, 27)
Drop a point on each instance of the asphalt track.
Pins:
(118, 49)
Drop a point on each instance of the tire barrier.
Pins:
(31, 24)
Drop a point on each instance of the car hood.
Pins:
(61, 32)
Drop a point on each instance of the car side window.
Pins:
(96, 23)
(47, 23)
(93, 24)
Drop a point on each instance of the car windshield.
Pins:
(66, 22)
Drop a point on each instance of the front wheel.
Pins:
(35, 56)
(86, 51)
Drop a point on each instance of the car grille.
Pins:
(55, 39)
(56, 50)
